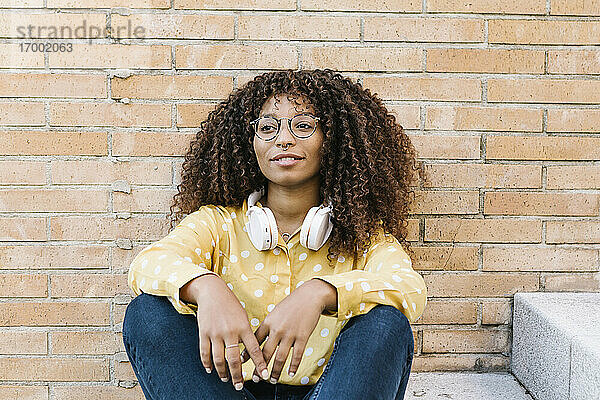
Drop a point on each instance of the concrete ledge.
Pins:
(555, 350)
(464, 386)
(585, 367)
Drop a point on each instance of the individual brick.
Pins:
(542, 147)
(523, 31)
(447, 146)
(477, 230)
(173, 26)
(261, 5)
(576, 232)
(573, 61)
(544, 91)
(53, 85)
(231, 56)
(535, 258)
(43, 143)
(282, 27)
(465, 341)
(483, 118)
(408, 88)
(513, 61)
(575, 7)
(487, 6)
(362, 5)
(419, 29)
(574, 120)
(369, 59)
(487, 284)
(483, 175)
(110, 114)
(171, 87)
(541, 203)
(86, 55)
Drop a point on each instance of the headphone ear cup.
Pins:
(260, 229)
(316, 228)
(306, 227)
(273, 234)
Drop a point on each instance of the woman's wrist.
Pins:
(327, 294)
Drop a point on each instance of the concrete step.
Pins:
(464, 386)
(556, 345)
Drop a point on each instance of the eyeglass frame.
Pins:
(254, 123)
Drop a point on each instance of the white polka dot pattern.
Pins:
(261, 280)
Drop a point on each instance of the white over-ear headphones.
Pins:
(262, 227)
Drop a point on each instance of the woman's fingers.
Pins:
(269, 349)
(218, 354)
(280, 357)
(254, 351)
(297, 354)
(205, 355)
(234, 361)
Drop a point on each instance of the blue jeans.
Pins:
(371, 358)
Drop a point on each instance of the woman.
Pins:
(291, 161)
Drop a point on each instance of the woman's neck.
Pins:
(290, 206)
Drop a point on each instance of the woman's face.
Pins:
(287, 106)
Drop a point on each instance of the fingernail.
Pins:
(255, 378)
(239, 386)
(273, 381)
(208, 370)
(224, 379)
(291, 373)
(265, 374)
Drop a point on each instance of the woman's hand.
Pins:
(290, 323)
(221, 322)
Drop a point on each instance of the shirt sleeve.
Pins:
(187, 252)
(387, 278)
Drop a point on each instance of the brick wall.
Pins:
(501, 99)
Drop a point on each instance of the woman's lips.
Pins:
(286, 163)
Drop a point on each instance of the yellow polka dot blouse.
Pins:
(214, 240)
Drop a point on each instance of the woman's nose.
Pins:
(285, 136)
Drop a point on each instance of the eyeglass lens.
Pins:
(302, 126)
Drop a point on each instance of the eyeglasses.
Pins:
(301, 125)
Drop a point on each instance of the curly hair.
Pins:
(366, 170)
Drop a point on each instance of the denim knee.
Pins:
(391, 324)
(142, 317)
